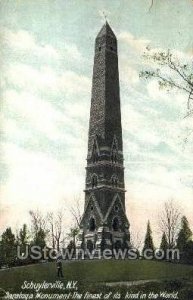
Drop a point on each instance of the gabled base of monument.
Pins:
(102, 242)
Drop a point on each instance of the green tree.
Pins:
(23, 235)
(148, 243)
(39, 239)
(22, 238)
(39, 228)
(1, 254)
(185, 235)
(73, 234)
(8, 247)
(71, 246)
(187, 256)
(164, 243)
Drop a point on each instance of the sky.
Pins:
(46, 57)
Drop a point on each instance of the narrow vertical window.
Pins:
(94, 153)
(115, 224)
(92, 224)
(94, 181)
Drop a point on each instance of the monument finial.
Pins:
(105, 16)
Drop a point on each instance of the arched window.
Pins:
(116, 208)
(94, 181)
(114, 150)
(92, 224)
(114, 181)
(114, 156)
(115, 224)
(94, 153)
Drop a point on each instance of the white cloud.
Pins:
(22, 40)
(72, 53)
(74, 83)
(139, 124)
(39, 115)
(25, 43)
(32, 110)
(46, 79)
(130, 58)
(138, 45)
(128, 75)
(174, 98)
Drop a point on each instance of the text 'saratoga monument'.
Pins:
(104, 223)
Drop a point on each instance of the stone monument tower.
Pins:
(104, 223)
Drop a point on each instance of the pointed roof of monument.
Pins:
(106, 30)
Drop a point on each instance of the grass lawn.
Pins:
(95, 272)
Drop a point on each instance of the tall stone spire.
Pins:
(104, 222)
(105, 116)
